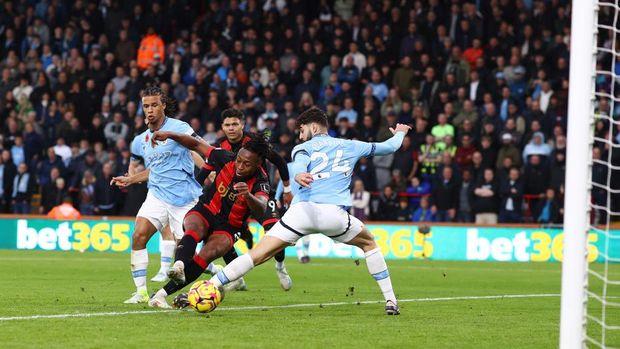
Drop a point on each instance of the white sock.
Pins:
(211, 268)
(236, 269)
(279, 265)
(139, 263)
(166, 248)
(378, 269)
(161, 293)
(305, 245)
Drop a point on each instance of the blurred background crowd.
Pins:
(484, 85)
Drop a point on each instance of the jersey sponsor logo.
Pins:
(226, 192)
(158, 158)
(264, 187)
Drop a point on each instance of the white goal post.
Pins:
(578, 168)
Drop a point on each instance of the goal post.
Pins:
(578, 168)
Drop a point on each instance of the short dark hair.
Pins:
(312, 115)
(170, 102)
(257, 144)
(232, 113)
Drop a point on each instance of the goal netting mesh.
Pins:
(602, 315)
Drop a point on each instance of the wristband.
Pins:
(287, 188)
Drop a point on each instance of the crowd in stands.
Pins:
(484, 85)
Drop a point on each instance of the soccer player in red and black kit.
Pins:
(240, 187)
(233, 125)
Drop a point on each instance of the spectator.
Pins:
(404, 213)
(388, 205)
(105, 194)
(464, 154)
(464, 213)
(8, 171)
(348, 112)
(53, 192)
(535, 181)
(441, 130)
(87, 193)
(424, 212)
(511, 194)
(549, 208)
(429, 157)
(445, 196)
(23, 188)
(508, 149)
(486, 201)
(18, 152)
(537, 146)
(64, 211)
(417, 190)
(116, 129)
(360, 199)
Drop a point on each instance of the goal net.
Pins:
(590, 314)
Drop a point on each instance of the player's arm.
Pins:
(199, 161)
(256, 202)
(282, 167)
(394, 143)
(192, 143)
(301, 161)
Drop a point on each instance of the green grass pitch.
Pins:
(436, 312)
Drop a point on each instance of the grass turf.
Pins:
(44, 283)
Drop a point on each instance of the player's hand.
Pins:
(159, 136)
(400, 128)
(121, 181)
(241, 188)
(304, 179)
(287, 198)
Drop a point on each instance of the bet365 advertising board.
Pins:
(396, 241)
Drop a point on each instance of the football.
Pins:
(204, 296)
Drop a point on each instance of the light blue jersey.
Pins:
(331, 162)
(294, 186)
(172, 168)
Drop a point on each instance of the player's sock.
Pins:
(279, 257)
(378, 269)
(230, 256)
(194, 268)
(211, 268)
(187, 246)
(305, 245)
(233, 271)
(139, 264)
(166, 248)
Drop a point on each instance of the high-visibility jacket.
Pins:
(150, 46)
(64, 212)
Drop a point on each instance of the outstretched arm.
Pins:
(391, 145)
(189, 142)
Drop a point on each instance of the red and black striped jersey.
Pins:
(221, 199)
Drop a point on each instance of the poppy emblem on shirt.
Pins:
(146, 139)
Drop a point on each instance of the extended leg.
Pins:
(143, 232)
(377, 268)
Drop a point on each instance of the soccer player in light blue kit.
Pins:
(173, 190)
(323, 167)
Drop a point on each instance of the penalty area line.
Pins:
(287, 306)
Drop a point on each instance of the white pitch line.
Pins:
(258, 307)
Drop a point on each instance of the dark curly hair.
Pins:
(257, 144)
(172, 107)
(314, 114)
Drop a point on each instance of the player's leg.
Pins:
(302, 250)
(269, 219)
(166, 249)
(143, 231)
(375, 262)
(216, 245)
(196, 227)
(280, 236)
